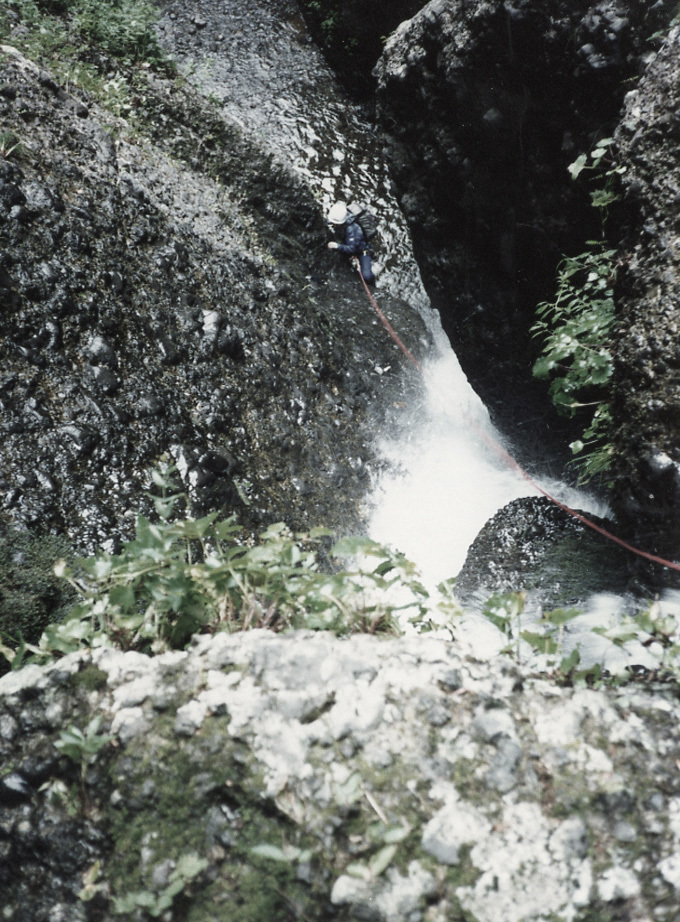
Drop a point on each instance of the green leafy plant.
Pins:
(10, 144)
(58, 795)
(382, 844)
(286, 853)
(542, 647)
(600, 163)
(576, 327)
(157, 902)
(16, 654)
(326, 14)
(657, 630)
(547, 641)
(121, 28)
(92, 885)
(82, 41)
(330, 24)
(504, 610)
(83, 747)
(182, 576)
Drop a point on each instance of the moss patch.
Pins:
(90, 679)
(31, 596)
(199, 796)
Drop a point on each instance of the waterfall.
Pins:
(446, 480)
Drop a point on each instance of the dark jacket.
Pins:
(355, 242)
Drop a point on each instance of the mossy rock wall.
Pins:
(272, 777)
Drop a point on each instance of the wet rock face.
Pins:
(535, 546)
(274, 771)
(486, 105)
(170, 292)
(352, 34)
(647, 360)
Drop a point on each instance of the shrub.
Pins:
(123, 28)
(31, 597)
(65, 28)
(186, 576)
(576, 327)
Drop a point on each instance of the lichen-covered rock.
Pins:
(385, 779)
(647, 373)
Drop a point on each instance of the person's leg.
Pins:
(366, 267)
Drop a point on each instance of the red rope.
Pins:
(385, 322)
(510, 461)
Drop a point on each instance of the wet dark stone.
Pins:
(30, 355)
(115, 351)
(19, 213)
(229, 344)
(99, 351)
(533, 545)
(219, 462)
(11, 195)
(103, 379)
(647, 366)
(83, 439)
(170, 353)
(150, 406)
(41, 199)
(14, 789)
(477, 120)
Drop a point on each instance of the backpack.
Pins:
(368, 223)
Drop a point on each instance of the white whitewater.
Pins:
(446, 479)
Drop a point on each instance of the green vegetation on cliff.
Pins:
(31, 596)
(62, 30)
(576, 326)
(182, 576)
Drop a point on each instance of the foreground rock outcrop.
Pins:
(272, 777)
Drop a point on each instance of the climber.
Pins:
(343, 222)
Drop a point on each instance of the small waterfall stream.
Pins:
(445, 483)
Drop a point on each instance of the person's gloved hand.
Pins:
(332, 245)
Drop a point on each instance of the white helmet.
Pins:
(338, 213)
